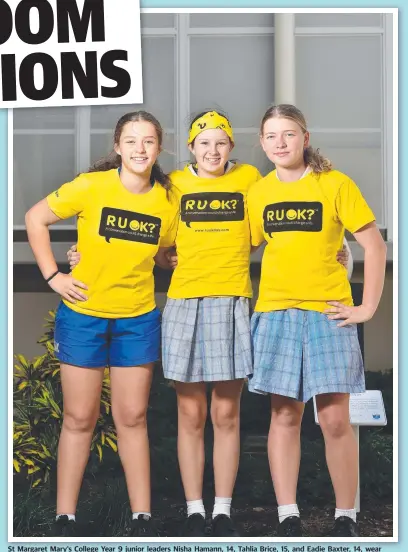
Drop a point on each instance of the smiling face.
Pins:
(284, 141)
(291, 214)
(211, 149)
(138, 147)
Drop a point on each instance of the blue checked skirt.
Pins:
(206, 339)
(300, 354)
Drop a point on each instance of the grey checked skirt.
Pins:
(206, 339)
(300, 354)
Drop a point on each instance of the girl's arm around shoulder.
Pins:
(255, 216)
(170, 222)
(166, 258)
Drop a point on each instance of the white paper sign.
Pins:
(69, 52)
(365, 409)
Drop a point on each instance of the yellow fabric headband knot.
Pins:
(210, 120)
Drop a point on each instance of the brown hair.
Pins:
(313, 159)
(113, 160)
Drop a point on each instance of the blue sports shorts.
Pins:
(93, 342)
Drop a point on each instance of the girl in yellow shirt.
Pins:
(304, 325)
(205, 328)
(108, 315)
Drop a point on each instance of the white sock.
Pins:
(287, 510)
(71, 517)
(348, 513)
(222, 506)
(195, 507)
(135, 515)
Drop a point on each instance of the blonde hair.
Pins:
(312, 158)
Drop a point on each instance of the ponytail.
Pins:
(111, 161)
(158, 175)
(317, 162)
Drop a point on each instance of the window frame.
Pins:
(182, 32)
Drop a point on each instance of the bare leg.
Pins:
(192, 414)
(225, 409)
(81, 388)
(284, 447)
(130, 396)
(341, 446)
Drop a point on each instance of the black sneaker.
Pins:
(290, 527)
(344, 527)
(64, 527)
(194, 526)
(222, 526)
(142, 526)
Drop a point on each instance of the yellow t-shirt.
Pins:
(213, 240)
(303, 224)
(119, 233)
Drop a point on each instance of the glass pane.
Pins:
(248, 150)
(235, 74)
(342, 87)
(101, 145)
(44, 118)
(338, 20)
(231, 20)
(345, 139)
(359, 155)
(158, 87)
(41, 165)
(156, 20)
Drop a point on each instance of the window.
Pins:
(344, 81)
(193, 62)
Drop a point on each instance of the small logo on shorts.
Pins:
(56, 347)
(376, 416)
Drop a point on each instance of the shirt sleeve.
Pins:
(352, 209)
(257, 176)
(70, 199)
(255, 218)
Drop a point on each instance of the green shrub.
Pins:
(38, 413)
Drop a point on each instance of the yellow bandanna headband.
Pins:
(212, 119)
